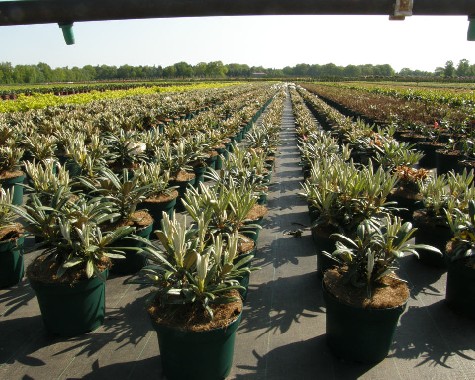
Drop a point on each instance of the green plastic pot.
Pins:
(211, 162)
(155, 209)
(133, 261)
(15, 185)
(358, 334)
(460, 289)
(251, 229)
(206, 355)
(200, 175)
(181, 188)
(222, 154)
(70, 310)
(244, 280)
(11, 262)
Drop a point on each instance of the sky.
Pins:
(419, 42)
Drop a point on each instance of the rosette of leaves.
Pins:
(373, 253)
(189, 271)
(175, 158)
(125, 149)
(46, 178)
(41, 147)
(76, 246)
(86, 158)
(462, 225)
(392, 154)
(154, 179)
(10, 156)
(122, 191)
(9, 227)
(344, 195)
(409, 178)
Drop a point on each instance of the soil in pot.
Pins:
(158, 204)
(361, 329)
(256, 217)
(185, 331)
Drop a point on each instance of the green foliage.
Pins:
(10, 156)
(7, 216)
(462, 224)
(374, 252)
(70, 229)
(187, 270)
(123, 191)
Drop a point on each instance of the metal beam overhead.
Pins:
(25, 12)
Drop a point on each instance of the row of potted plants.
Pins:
(85, 221)
(201, 271)
(359, 232)
(444, 133)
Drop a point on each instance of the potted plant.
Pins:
(125, 193)
(196, 308)
(11, 243)
(406, 193)
(341, 196)
(364, 297)
(11, 177)
(441, 194)
(175, 158)
(460, 254)
(69, 276)
(159, 196)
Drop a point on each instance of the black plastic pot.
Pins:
(206, 355)
(222, 154)
(71, 309)
(11, 262)
(323, 242)
(357, 334)
(432, 233)
(447, 161)
(460, 289)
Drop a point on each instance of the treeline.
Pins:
(43, 73)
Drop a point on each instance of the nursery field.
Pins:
(253, 231)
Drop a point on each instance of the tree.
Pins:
(237, 70)
(352, 71)
(449, 69)
(216, 69)
(463, 68)
(45, 72)
(200, 69)
(183, 70)
(169, 72)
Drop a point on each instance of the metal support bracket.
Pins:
(402, 9)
